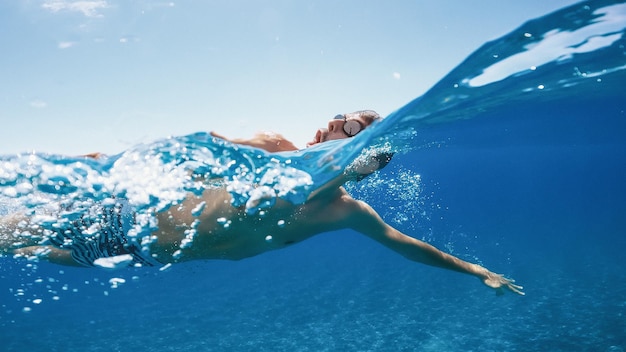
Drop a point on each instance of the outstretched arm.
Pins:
(268, 141)
(365, 220)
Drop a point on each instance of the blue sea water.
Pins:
(515, 160)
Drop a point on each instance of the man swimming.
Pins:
(328, 209)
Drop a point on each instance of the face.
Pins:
(343, 126)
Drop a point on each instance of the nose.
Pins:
(335, 125)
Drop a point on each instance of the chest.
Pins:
(242, 235)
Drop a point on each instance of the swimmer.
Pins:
(231, 233)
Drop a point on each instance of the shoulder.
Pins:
(330, 207)
(361, 217)
(352, 211)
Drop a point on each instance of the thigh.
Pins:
(49, 253)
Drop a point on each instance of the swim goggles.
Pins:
(350, 127)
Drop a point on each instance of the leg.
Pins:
(50, 253)
(11, 227)
(16, 237)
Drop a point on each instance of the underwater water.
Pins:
(516, 160)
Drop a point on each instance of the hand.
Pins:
(95, 155)
(499, 283)
(271, 142)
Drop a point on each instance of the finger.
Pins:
(506, 278)
(516, 289)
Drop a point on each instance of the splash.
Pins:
(399, 196)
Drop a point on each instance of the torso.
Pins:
(226, 232)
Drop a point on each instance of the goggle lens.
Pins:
(350, 127)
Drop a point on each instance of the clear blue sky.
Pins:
(103, 75)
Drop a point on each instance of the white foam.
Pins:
(116, 262)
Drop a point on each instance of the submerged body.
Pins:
(223, 231)
(226, 232)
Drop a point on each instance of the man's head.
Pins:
(345, 126)
(349, 125)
